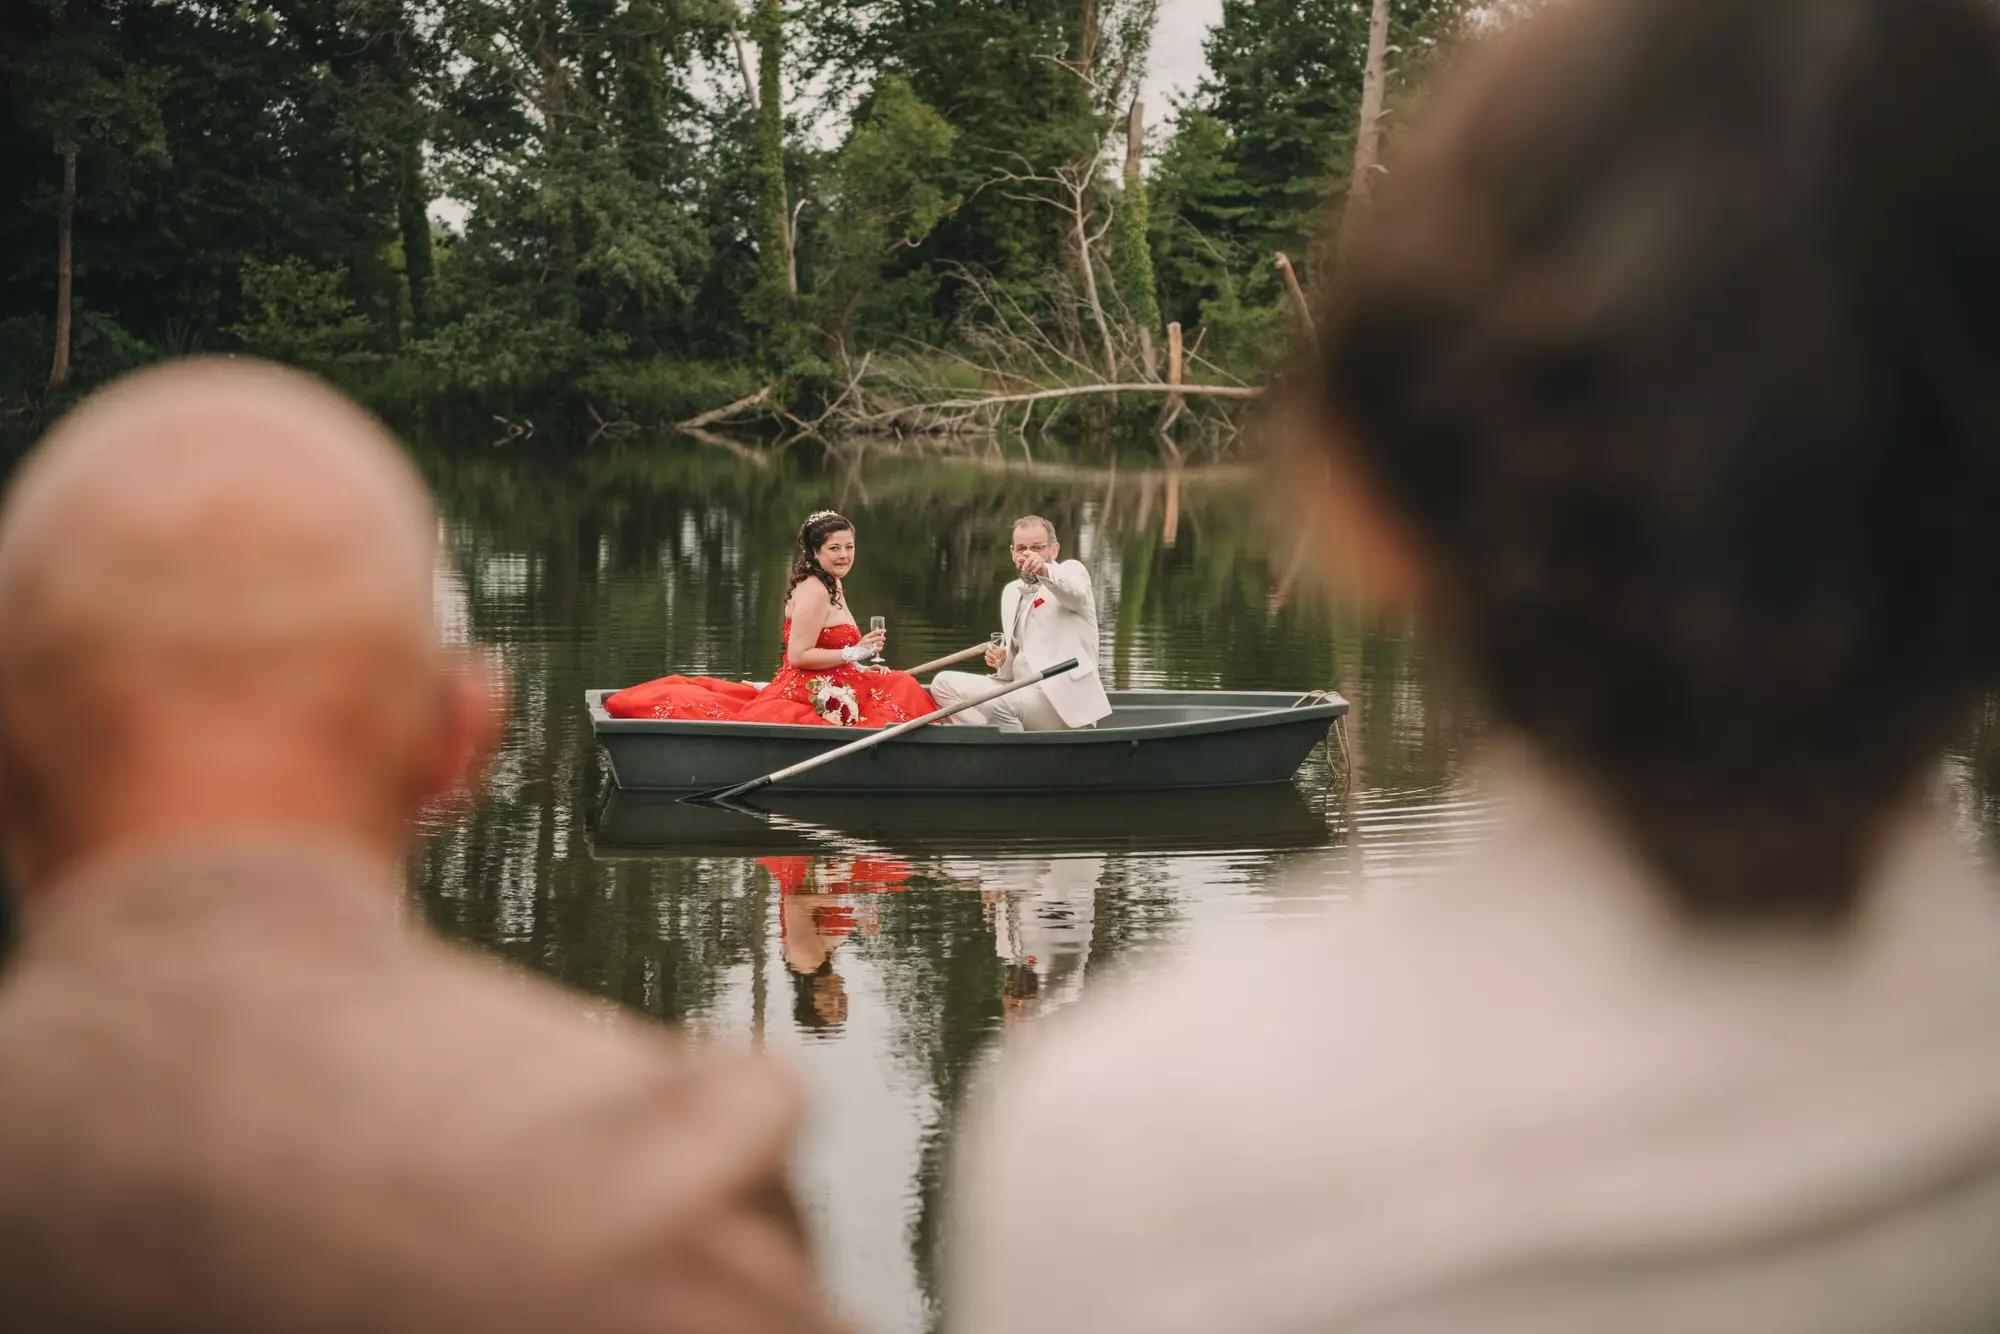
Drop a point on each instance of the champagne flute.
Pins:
(878, 625)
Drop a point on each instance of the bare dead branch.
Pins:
(727, 411)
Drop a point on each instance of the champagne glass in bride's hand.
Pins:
(878, 634)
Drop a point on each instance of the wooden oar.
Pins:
(869, 742)
(951, 660)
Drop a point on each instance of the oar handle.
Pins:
(950, 659)
(886, 734)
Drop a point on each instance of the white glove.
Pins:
(857, 653)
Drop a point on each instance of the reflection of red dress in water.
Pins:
(886, 698)
(834, 921)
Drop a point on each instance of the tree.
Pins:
(1198, 211)
(1132, 255)
(84, 93)
(1281, 140)
(777, 271)
(884, 197)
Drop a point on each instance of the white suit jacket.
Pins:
(1048, 622)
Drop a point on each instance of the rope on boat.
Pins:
(1337, 731)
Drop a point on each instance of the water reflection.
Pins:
(823, 901)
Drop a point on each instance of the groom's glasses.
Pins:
(1040, 549)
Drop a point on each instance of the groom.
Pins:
(1048, 615)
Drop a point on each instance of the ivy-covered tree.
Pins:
(883, 196)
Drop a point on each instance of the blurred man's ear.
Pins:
(1371, 555)
(12, 803)
(7, 800)
(472, 708)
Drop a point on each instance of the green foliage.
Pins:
(1198, 213)
(264, 174)
(1260, 161)
(295, 312)
(27, 344)
(100, 345)
(884, 195)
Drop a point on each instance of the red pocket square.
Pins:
(1040, 601)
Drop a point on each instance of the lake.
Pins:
(885, 955)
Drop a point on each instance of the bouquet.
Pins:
(835, 702)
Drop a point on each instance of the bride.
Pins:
(829, 674)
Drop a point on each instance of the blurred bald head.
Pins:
(216, 580)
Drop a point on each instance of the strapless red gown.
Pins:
(886, 698)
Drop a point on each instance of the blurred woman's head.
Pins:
(1672, 351)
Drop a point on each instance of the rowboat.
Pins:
(1154, 740)
(644, 825)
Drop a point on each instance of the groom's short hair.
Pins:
(1027, 519)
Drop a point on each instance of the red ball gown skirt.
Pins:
(885, 698)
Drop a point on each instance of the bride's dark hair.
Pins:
(812, 536)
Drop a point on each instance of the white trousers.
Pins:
(1026, 710)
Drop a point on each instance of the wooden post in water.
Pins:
(1284, 266)
(1176, 377)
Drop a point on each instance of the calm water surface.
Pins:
(886, 948)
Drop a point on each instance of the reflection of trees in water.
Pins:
(1980, 782)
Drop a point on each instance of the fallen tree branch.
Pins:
(727, 411)
(998, 400)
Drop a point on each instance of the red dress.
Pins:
(885, 698)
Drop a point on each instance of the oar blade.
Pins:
(724, 796)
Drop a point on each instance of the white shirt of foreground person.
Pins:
(1526, 1098)
(1046, 622)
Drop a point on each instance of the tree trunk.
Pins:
(1086, 56)
(413, 217)
(743, 64)
(774, 231)
(1368, 146)
(1145, 308)
(65, 269)
(1087, 267)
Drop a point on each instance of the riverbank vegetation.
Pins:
(911, 216)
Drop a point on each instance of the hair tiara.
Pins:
(822, 514)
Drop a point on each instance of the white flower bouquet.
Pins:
(835, 703)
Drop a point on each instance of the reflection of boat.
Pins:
(1154, 739)
(656, 823)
